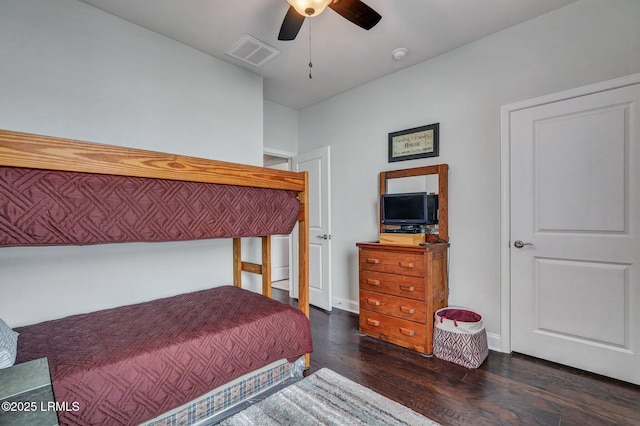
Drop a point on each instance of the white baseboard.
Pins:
(495, 342)
(346, 305)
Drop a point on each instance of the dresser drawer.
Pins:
(401, 332)
(398, 285)
(399, 307)
(392, 262)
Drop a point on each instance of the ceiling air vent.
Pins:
(252, 51)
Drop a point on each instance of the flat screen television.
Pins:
(409, 209)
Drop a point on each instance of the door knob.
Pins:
(324, 237)
(520, 244)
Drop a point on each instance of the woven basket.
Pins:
(460, 337)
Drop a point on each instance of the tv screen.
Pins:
(409, 209)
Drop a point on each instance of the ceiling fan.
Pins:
(353, 10)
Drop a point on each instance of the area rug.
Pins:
(327, 398)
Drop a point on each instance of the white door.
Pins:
(575, 232)
(317, 164)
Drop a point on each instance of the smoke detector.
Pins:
(399, 53)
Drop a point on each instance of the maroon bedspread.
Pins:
(40, 207)
(133, 363)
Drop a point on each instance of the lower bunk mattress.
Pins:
(129, 364)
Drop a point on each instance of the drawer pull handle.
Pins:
(407, 265)
(373, 302)
(373, 322)
(407, 288)
(373, 260)
(406, 331)
(407, 310)
(373, 282)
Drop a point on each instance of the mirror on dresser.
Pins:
(429, 179)
(425, 183)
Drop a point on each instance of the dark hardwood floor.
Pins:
(505, 390)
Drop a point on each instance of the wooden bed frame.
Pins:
(50, 153)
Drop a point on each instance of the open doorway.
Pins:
(317, 166)
(281, 245)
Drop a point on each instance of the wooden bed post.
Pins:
(266, 266)
(237, 262)
(303, 253)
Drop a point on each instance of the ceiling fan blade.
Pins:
(291, 25)
(356, 12)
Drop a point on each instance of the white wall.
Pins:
(70, 70)
(280, 128)
(585, 42)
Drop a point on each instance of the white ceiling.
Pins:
(344, 56)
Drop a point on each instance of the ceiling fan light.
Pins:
(309, 7)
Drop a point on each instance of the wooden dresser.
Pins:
(401, 287)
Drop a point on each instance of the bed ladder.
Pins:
(263, 269)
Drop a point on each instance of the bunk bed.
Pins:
(174, 360)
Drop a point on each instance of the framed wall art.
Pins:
(419, 142)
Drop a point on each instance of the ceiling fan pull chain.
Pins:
(310, 64)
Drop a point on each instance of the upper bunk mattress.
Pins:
(44, 207)
(129, 364)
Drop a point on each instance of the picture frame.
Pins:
(418, 142)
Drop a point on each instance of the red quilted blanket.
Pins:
(40, 207)
(130, 364)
